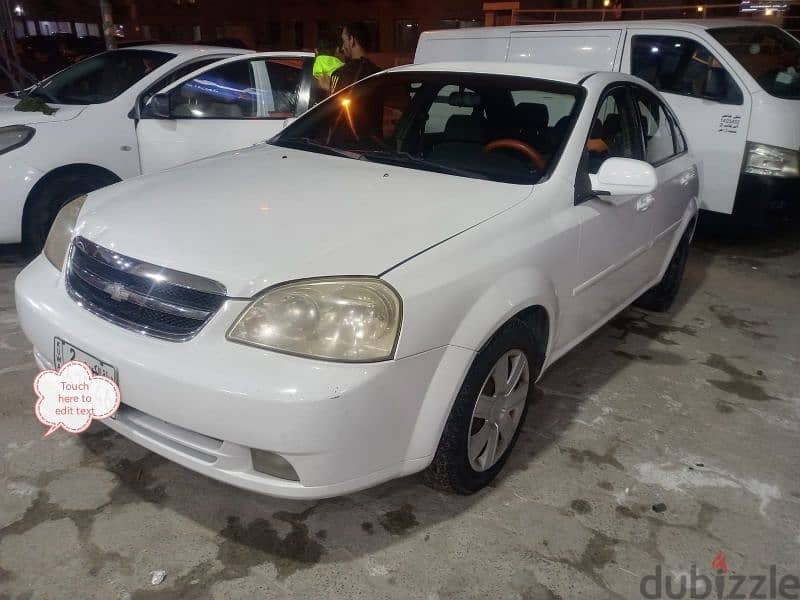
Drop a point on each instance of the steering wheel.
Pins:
(532, 153)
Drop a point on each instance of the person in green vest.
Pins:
(325, 64)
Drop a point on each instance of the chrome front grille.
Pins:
(139, 296)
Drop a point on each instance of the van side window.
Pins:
(614, 132)
(660, 141)
(678, 65)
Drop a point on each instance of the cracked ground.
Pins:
(695, 413)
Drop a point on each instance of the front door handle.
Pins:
(645, 202)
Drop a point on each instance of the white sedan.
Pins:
(138, 110)
(374, 292)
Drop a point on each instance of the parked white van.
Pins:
(734, 84)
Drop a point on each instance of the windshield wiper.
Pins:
(404, 159)
(37, 91)
(306, 143)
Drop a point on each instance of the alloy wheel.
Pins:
(498, 410)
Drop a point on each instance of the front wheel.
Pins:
(488, 412)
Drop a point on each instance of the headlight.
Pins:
(57, 244)
(762, 159)
(350, 319)
(14, 137)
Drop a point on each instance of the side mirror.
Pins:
(158, 107)
(624, 177)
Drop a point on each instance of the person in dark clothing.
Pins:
(355, 43)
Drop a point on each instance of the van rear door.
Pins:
(595, 49)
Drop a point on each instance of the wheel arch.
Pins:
(532, 299)
(74, 169)
(528, 294)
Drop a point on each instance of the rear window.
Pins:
(769, 54)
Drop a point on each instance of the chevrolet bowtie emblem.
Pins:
(117, 291)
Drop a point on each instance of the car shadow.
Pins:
(253, 529)
(12, 254)
(755, 247)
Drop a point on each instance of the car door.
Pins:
(615, 231)
(707, 98)
(232, 104)
(665, 149)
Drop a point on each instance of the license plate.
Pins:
(63, 352)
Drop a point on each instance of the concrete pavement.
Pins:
(698, 409)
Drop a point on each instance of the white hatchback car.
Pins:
(375, 292)
(137, 110)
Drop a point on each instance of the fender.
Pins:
(16, 182)
(509, 296)
(90, 170)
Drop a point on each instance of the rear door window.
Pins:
(660, 139)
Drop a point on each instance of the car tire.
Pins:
(42, 208)
(453, 468)
(660, 297)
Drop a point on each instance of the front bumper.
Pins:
(206, 402)
(762, 201)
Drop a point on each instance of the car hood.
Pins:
(9, 116)
(256, 217)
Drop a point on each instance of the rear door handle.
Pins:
(645, 202)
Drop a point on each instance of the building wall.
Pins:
(271, 25)
(300, 24)
(394, 24)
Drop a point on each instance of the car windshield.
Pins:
(100, 78)
(769, 54)
(493, 127)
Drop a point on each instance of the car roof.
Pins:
(187, 49)
(687, 24)
(537, 70)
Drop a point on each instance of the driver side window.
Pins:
(252, 89)
(614, 132)
(678, 65)
(172, 77)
